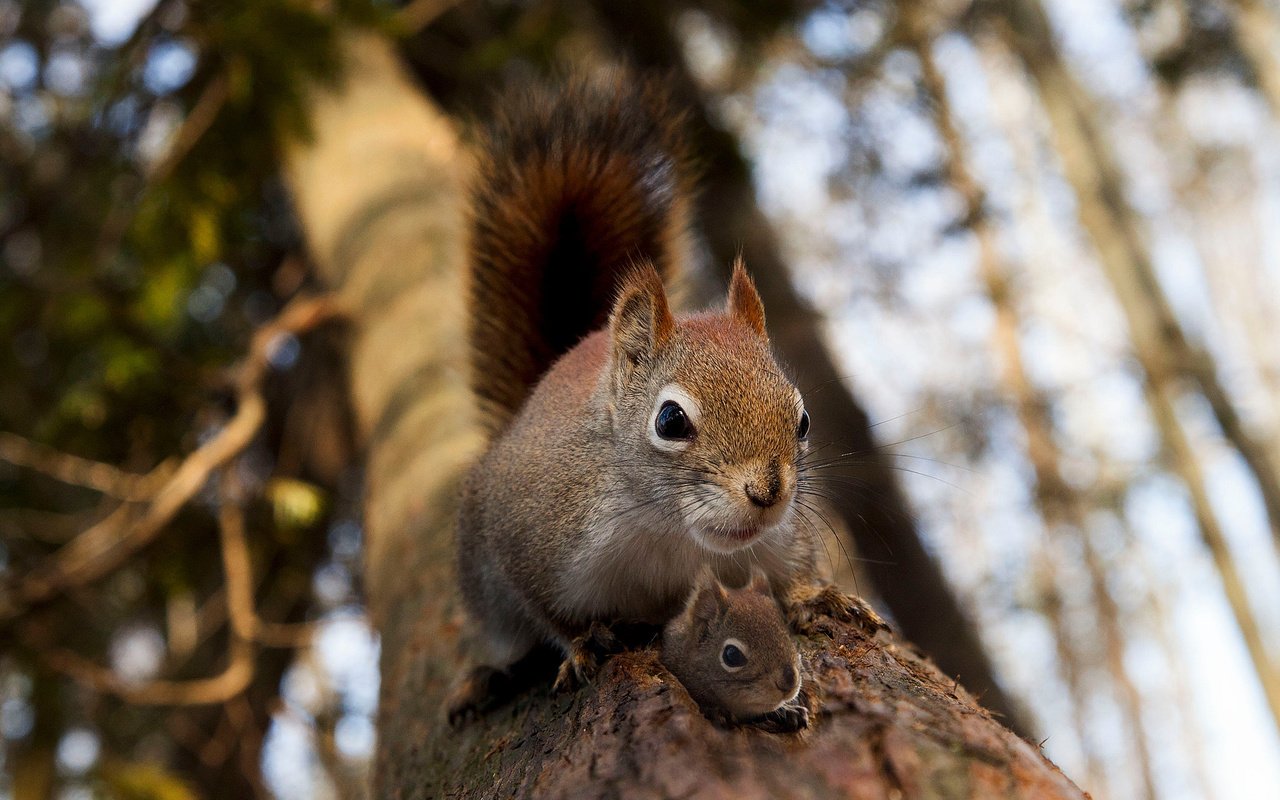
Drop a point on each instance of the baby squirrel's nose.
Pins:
(787, 680)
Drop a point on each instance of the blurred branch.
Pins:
(1259, 34)
(1158, 341)
(1050, 602)
(240, 584)
(418, 14)
(204, 691)
(246, 629)
(51, 527)
(1186, 465)
(77, 471)
(197, 122)
(104, 547)
(246, 738)
(1164, 626)
(1059, 503)
(348, 784)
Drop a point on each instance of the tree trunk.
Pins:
(378, 190)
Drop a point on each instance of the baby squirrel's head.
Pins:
(702, 414)
(731, 649)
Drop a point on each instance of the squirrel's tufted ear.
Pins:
(744, 301)
(759, 582)
(709, 598)
(641, 322)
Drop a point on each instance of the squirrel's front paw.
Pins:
(579, 668)
(788, 719)
(585, 653)
(813, 602)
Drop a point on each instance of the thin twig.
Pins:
(418, 14)
(245, 621)
(77, 471)
(104, 547)
(195, 125)
(201, 691)
(198, 121)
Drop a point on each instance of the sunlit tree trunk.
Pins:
(1258, 31)
(378, 192)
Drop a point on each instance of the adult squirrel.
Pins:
(630, 447)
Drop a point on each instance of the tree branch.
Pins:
(77, 471)
(104, 547)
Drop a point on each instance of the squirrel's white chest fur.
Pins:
(639, 566)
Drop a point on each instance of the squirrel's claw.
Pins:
(810, 603)
(578, 668)
(788, 719)
(585, 653)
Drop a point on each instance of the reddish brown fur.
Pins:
(582, 511)
(744, 300)
(574, 187)
(692, 643)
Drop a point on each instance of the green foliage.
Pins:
(106, 263)
(142, 224)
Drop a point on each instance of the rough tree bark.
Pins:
(378, 192)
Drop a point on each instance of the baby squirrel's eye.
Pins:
(672, 422)
(802, 432)
(732, 656)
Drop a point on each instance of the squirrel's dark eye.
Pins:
(802, 432)
(732, 656)
(672, 422)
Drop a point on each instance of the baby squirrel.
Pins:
(630, 447)
(733, 652)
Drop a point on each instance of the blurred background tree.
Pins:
(1038, 237)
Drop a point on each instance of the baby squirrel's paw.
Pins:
(788, 719)
(807, 605)
(586, 651)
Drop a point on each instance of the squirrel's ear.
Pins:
(759, 582)
(709, 597)
(641, 322)
(744, 301)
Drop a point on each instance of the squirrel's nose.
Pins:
(764, 489)
(763, 499)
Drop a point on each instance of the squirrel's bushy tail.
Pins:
(574, 186)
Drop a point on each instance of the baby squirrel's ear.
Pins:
(759, 582)
(641, 322)
(744, 301)
(709, 598)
